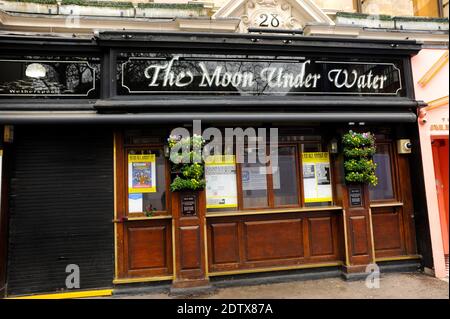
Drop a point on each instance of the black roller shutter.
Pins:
(61, 208)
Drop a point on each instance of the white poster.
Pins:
(135, 203)
(316, 177)
(254, 178)
(221, 188)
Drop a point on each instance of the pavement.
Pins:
(391, 286)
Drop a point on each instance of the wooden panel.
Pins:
(273, 239)
(225, 243)
(358, 229)
(321, 236)
(147, 247)
(190, 241)
(261, 241)
(387, 230)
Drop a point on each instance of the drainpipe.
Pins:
(135, 9)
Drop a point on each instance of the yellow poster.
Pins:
(141, 173)
(316, 177)
(221, 188)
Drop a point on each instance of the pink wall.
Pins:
(435, 89)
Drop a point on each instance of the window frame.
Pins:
(269, 177)
(394, 173)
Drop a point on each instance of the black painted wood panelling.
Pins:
(61, 208)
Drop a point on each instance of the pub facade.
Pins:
(89, 181)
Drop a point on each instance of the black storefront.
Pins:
(78, 108)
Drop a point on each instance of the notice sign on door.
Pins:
(141, 173)
(220, 174)
(316, 177)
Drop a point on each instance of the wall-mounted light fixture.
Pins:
(333, 146)
(166, 151)
(8, 133)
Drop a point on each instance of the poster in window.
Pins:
(135, 203)
(254, 178)
(316, 177)
(221, 188)
(141, 173)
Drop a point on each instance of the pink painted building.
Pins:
(431, 77)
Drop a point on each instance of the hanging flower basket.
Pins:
(359, 149)
(187, 169)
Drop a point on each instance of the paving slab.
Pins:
(391, 286)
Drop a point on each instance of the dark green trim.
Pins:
(179, 6)
(50, 2)
(382, 17)
(421, 19)
(108, 4)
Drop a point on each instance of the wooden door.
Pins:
(143, 235)
(392, 203)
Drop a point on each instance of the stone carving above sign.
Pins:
(274, 14)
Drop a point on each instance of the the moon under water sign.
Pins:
(244, 75)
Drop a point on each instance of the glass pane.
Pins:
(384, 189)
(426, 8)
(285, 177)
(254, 182)
(154, 199)
(310, 147)
(323, 172)
(221, 183)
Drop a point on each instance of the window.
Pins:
(426, 8)
(263, 187)
(277, 184)
(254, 182)
(285, 177)
(385, 189)
(146, 174)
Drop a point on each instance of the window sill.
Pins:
(131, 219)
(274, 211)
(386, 204)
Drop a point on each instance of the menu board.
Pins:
(220, 174)
(316, 177)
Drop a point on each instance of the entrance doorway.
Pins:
(440, 159)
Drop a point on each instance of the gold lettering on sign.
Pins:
(439, 127)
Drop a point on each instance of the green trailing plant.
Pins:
(359, 149)
(53, 2)
(358, 152)
(188, 167)
(353, 15)
(179, 6)
(108, 4)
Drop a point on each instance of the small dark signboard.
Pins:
(355, 194)
(188, 205)
(53, 78)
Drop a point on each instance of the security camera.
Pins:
(404, 146)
